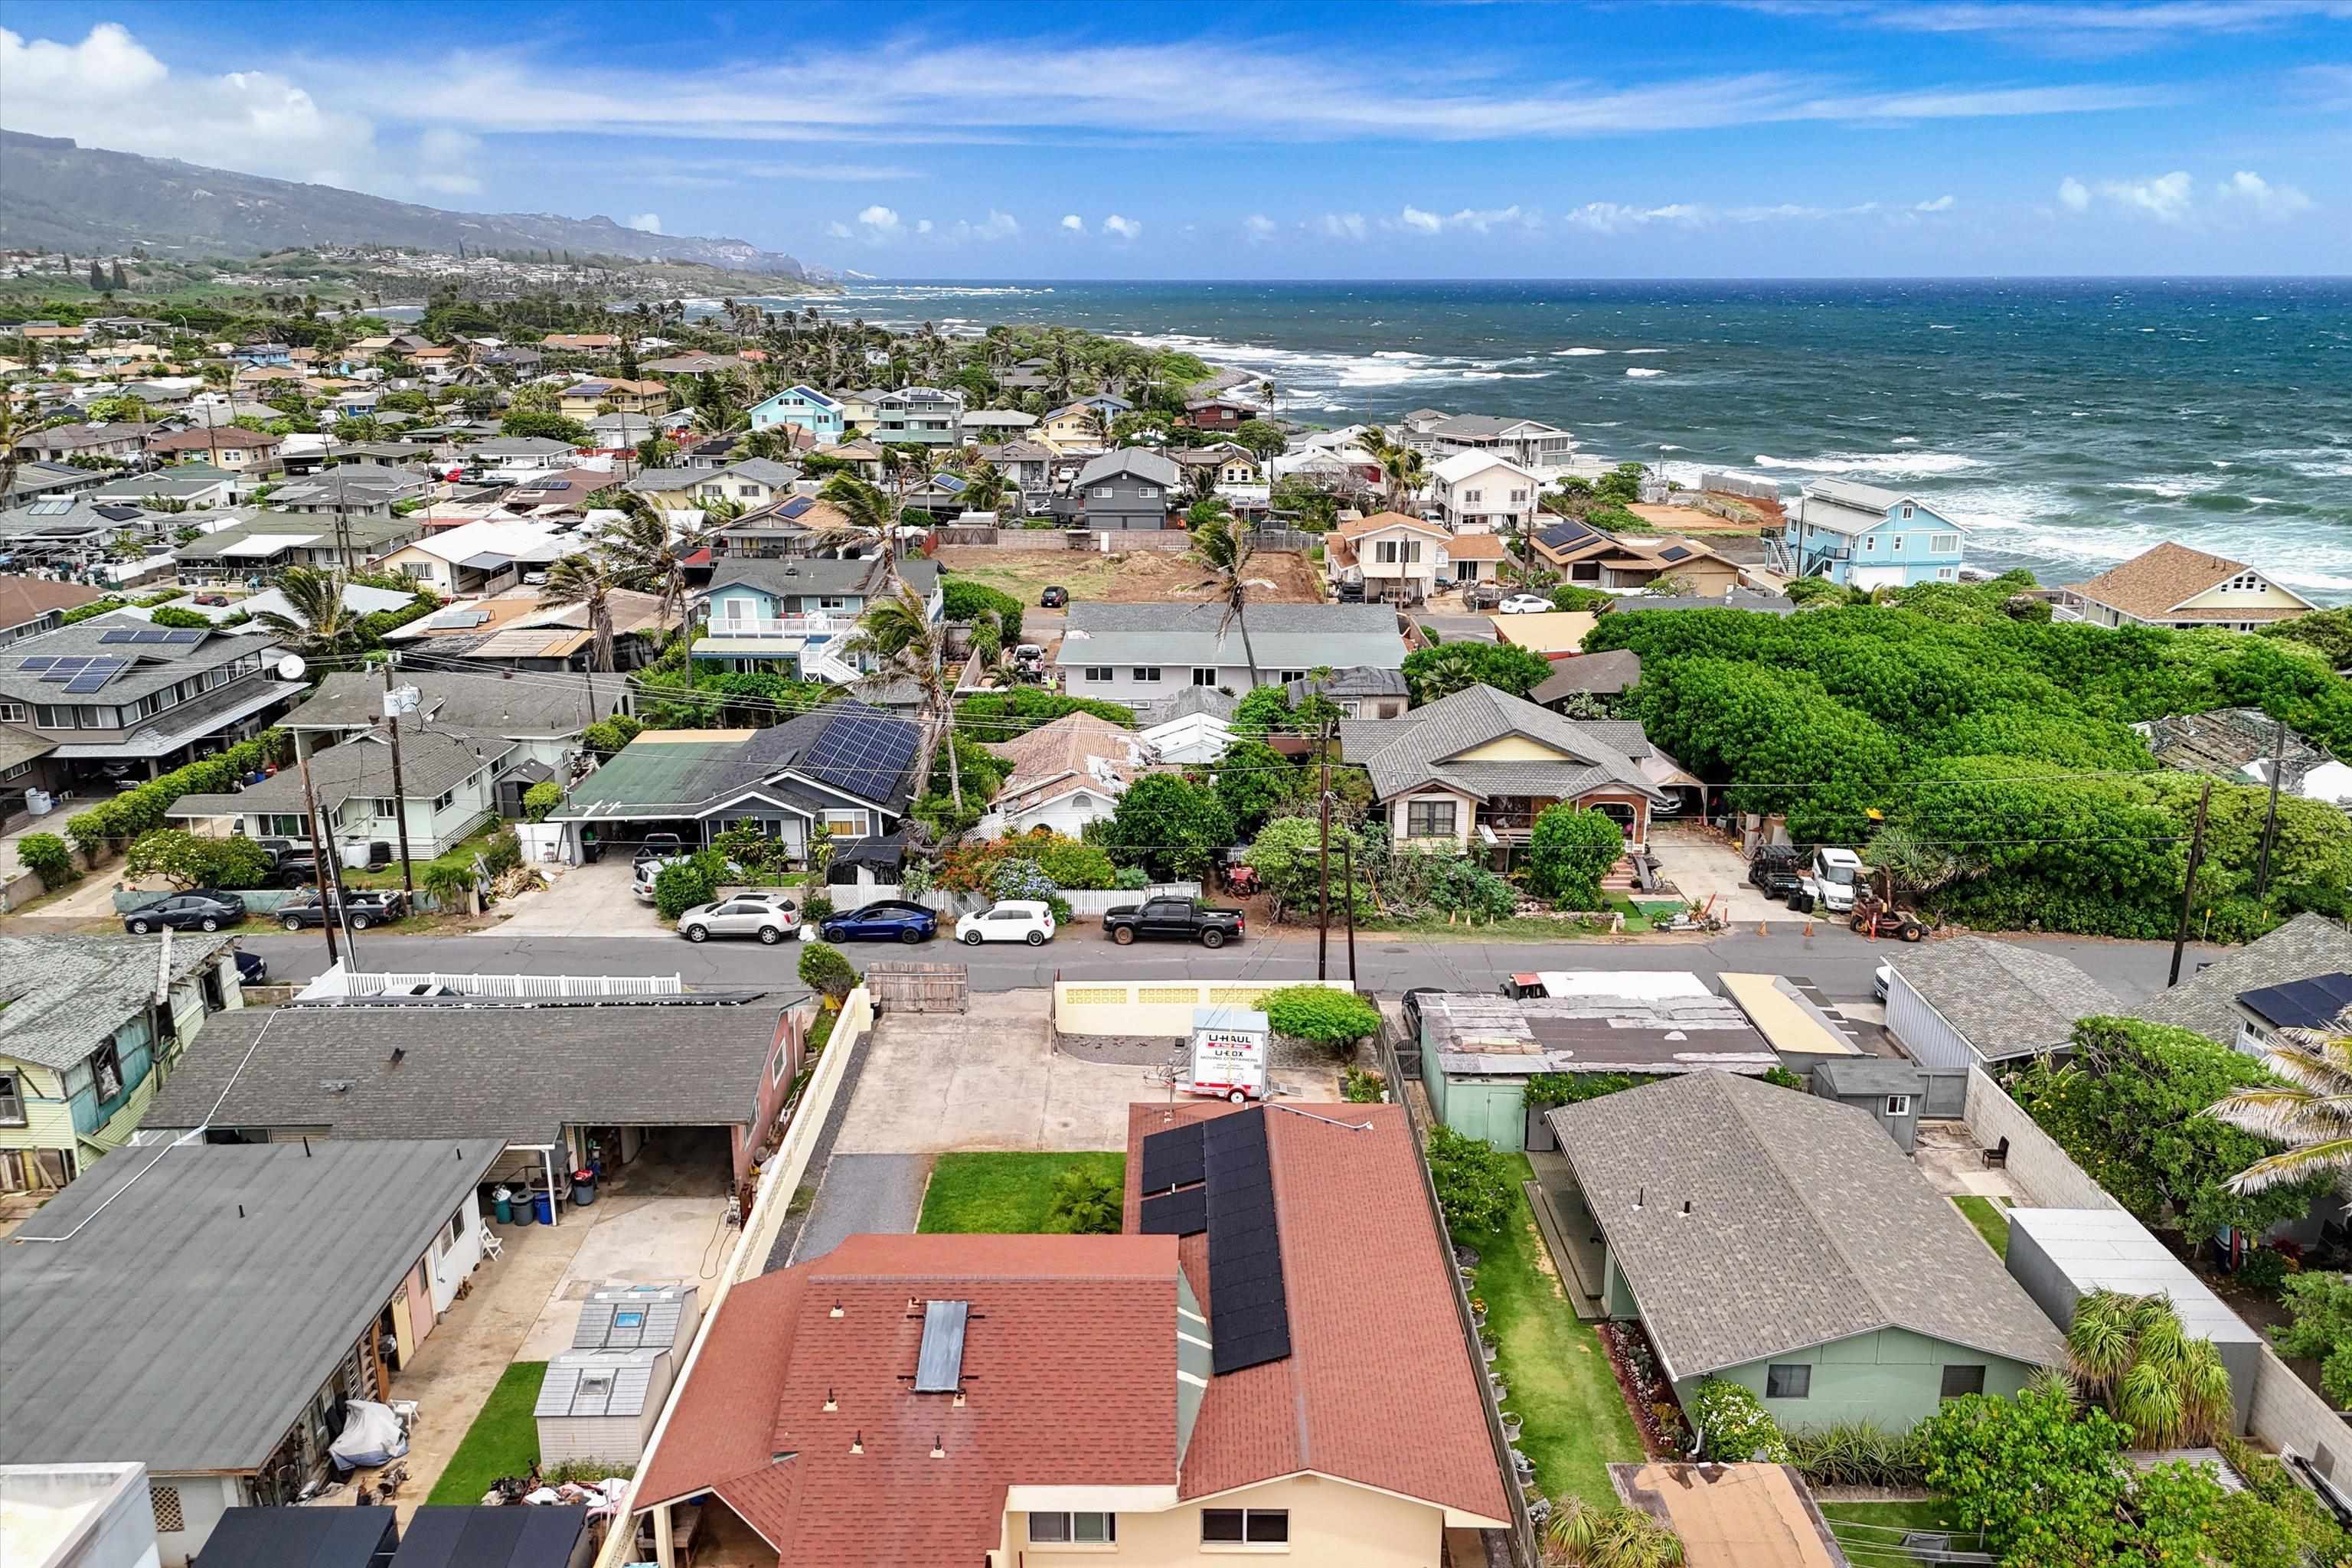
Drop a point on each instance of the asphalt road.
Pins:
(1833, 958)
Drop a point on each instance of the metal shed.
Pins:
(303, 1538)
(536, 1537)
(1974, 1001)
(2062, 1255)
(1892, 1092)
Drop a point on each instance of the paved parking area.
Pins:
(631, 1241)
(1701, 866)
(584, 900)
(863, 1195)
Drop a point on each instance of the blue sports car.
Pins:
(887, 919)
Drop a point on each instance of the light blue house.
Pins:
(805, 406)
(1862, 536)
(790, 614)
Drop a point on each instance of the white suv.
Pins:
(1020, 920)
(1833, 878)
(763, 915)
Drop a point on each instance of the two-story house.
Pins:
(447, 786)
(806, 408)
(229, 446)
(88, 1025)
(263, 543)
(1396, 559)
(1141, 654)
(121, 441)
(1073, 428)
(1235, 469)
(1129, 488)
(749, 482)
(791, 614)
(1026, 465)
(272, 354)
(1217, 413)
(1478, 491)
(585, 399)
(919, 416)
(1533, 445)
(2172, 585)
(1862, 536)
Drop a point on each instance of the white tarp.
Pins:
(372, 1436)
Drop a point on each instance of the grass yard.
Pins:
(1575, 1419)
(502, 1441)
(1513, 928)
(1002, 1194)
(461, 854)
(1025, 574)
(1875, 1527)
(1990, 1223)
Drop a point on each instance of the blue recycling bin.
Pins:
(543, 1207)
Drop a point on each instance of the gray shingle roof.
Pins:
(1427, 744)
(471, 704)
(431, 761)
(2306, 946)
(2009, 999)
(517, 1074)
(156, 665)
(188, 1325)
(1356, 680)
(1807, 1224)
(61, 996)
(1139, 462)
(1601, 673)
(1285, 637)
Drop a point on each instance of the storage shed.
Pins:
(1892, 1092)
(1974, 1001)
(2060, 1256)
(599, 1399)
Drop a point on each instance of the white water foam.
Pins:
(1640, 372)
(1648, 351)
(1576, 354)
(1895, 465)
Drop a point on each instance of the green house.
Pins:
(1773, 1239)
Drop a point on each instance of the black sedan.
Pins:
(201, 909)
(252, 969)
(1054, 598)
(887, 919)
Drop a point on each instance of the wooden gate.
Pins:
(919, 987)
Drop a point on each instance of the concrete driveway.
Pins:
(585, 900)
(630, 1241)
(1702, 866)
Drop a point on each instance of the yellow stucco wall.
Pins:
(1512, 749)
(1333, 1524)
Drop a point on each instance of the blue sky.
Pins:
(1748, 137)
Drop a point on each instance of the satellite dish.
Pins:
(290, 668)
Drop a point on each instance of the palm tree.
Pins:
(2311, 1112)
(15, 427)
(322, 624)
(1097, 423)
(2130, 1354)
(1272, 393)
(1405, 470)
(646, 554)
(1200, 482)
(985, 490)
(899, 631)
(585, 577)
(1223, 547)
(867, 507)
(1581, 1535)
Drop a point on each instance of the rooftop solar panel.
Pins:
(939, 1363)
(1172, 1159)
(120, 636)
(185, 636)
(35, 666)
(1177, 1214)
(796, 506)
(1673, 552)
(2313, 1004)
(863, 753)
(1249, 1315)
(67, 668)
(95, 675)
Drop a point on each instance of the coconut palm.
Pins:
(1224, 546)
(985, 490)
(14, 426)
(2130, 1354)
(585, 577)
(322, 624)
(2311, 1112)
(1406, 471)
(1200, 482)
(1581, 1535)
(898, 630)
(867, 505)
(649, 555)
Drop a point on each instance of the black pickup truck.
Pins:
(370, 907)
(1182, 919)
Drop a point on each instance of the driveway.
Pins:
(1702, 866)
(585, 900)
(631, 1241)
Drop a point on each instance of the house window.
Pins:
(385, 805)
(1262, 1526)
(1906, 514)
(12, 1100)
(1074, 1528)
(1960, 1382)
(15, 713)
(1791, 1382)
(451, 1232)
(776, 1067)
(445, 800)
(1429, 819)
(1100, 672)
(1869, 543)
(1148, 674)
(1897, 545)
(1148, 492)
(1288, 676)
(106, 1070)
(1944, 543)
(1204, 674)
(842, 824)
(1102, 492)
(1898, 1105)
(1944, 574)
(170, 1518)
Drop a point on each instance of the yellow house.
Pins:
(1069, 430)
(1012, 1400)
(2173, 585)
(89, 1027)
(587, 399)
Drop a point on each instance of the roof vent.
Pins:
(938, 1367)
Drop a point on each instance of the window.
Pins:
(1869, 543)
(1795, 1382)
(1102, 672)
(1285, 677)
(1898, 1105)
(1264, 1526)
(1470, 498)
(165, 1501)
(776, 1065)
(12, 1101)
(1961, 1380)
(1102, 492)
(384, 805)
(281, 827)
(1906, 514)
(15, 713)
(1148, 674)
(452, 1232)
(1077, 1529)
(1944, 543)
(844, 824)
(445, 800)
(1204, 676)
(1944, 574)
(1429, 819)
(1896, 544)
(1148, 492)
(56, 717)
(106, 1070)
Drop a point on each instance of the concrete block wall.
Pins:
(2044, 1176)
(2287, 1415)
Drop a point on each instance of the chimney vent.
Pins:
(830, 1403)
(857, 1444)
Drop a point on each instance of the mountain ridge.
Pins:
(57, 194)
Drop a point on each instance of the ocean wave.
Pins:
(2174, 488)
(1638, 371)
(1904, 441)
(1576, 354)
(1670, 447)
(1895, 465)
(1505, 374)
(1648, 351)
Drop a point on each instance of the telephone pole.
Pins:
(2270, 816)
(1323, 869)
(2189, 883)
(1348, 892)
(392, 705)
(318, 856)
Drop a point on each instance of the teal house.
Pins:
(794, 615)
(822, 416)
(1773, 1239)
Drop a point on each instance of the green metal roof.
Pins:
(641, 776)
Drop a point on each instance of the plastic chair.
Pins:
(493, 1247)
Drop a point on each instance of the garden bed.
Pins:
(1657, 1413)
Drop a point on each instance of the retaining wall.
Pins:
(2044, 1176)
(1156, 1008)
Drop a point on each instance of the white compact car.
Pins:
(1524, 605)
(1020, 920)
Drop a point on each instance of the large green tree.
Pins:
(1569, 851)
(1434, 672)
(1255, 781)
(1167, 825)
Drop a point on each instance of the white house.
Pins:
(2173, 585)
(1065, 774)
(1147, 653)
(448, 782)
(1476, 489)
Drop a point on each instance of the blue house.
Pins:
(790, 614)
(1862, 536)
(805, 406)
(262, 355)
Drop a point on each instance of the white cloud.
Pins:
(837, 230)
(644, 223)
(1342, 225)
(1125, 228)
(922, 226)
(2074, 194)
(1428, 223)
(995, 226)
(2168, 198)
(1258, 228)
(1615, 218)
(2250, 189)
(1074, 223)
(880, 221)
(1478, 220)
(1939, 204)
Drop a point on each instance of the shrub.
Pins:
(825, 971)
(503, 853)
(681, 885)
(1576, 1087)
(2320, 1308)
(1569, 852)
(1318, 1012)
(965, 599)
(1001, 715)
(1018, 877)
(1168, 825)
(187, 860)
(1568, 596)
(96, 607)
(448, 882)
(2266, 1269)
(1473, 1181)
(185, 620)
(48, 857)
(1087, 1202)
(609, 735)
(817, 908)
(1856, 1454)
(1363, 1086)
(541, 799)
(1130, 879)
(1067, 862)
(136, 811)
(1735, 1427)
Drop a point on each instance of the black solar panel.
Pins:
(185, 636)
(1177, 1214)
(35, 666)
(796, 506)
(67, 668)
(1172, 1159)
(120, 636)
(1673, 552)
(863, 752)
(94, 674)
(1249, 1316)
(2313, 1004)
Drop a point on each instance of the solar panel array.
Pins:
(1182, 1213)
(83, 676)
(1673, 552)
(168, 636)
(795, 507)
(1249, 1315)
(863, 752)
(1173, 1159)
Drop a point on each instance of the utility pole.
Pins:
(2189, 883)
(392, 705)
(1348, 892)
(2270, 816)
(318, 856)
(1323, 871)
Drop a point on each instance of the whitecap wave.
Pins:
(1638, 371)
(1648, 351)
(1904, 441)
(1576, 354)
(1894, 465)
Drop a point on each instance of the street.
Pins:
(1832, 958)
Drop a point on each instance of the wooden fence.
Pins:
(919, 987)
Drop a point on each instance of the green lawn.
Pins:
(1001, 1194)
(1576, 1422)
(1876, 1524)
(1990, 1223)
(460, 854)
(502, 1441)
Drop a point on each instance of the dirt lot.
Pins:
(1143, 576)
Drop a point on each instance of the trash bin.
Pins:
(520, 1204)
(502, 1204)
(584, 1188)
(543, 1207)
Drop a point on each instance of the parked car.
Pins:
(368, 906)
(1879, 977)
(660, 846)
(1349, 593)
(1524, 605)
(1020, 920)
(1832, 879)
(252, 969)
(1053, 598)
(764, 915)
(888, 919)
(1181, 919)
(1412, 1006)
(644, 872)
(1774, 870)
(200, 909)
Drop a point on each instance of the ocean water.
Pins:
(2070, 424)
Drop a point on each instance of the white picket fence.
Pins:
(339, 981)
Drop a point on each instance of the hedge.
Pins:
(96, 831)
